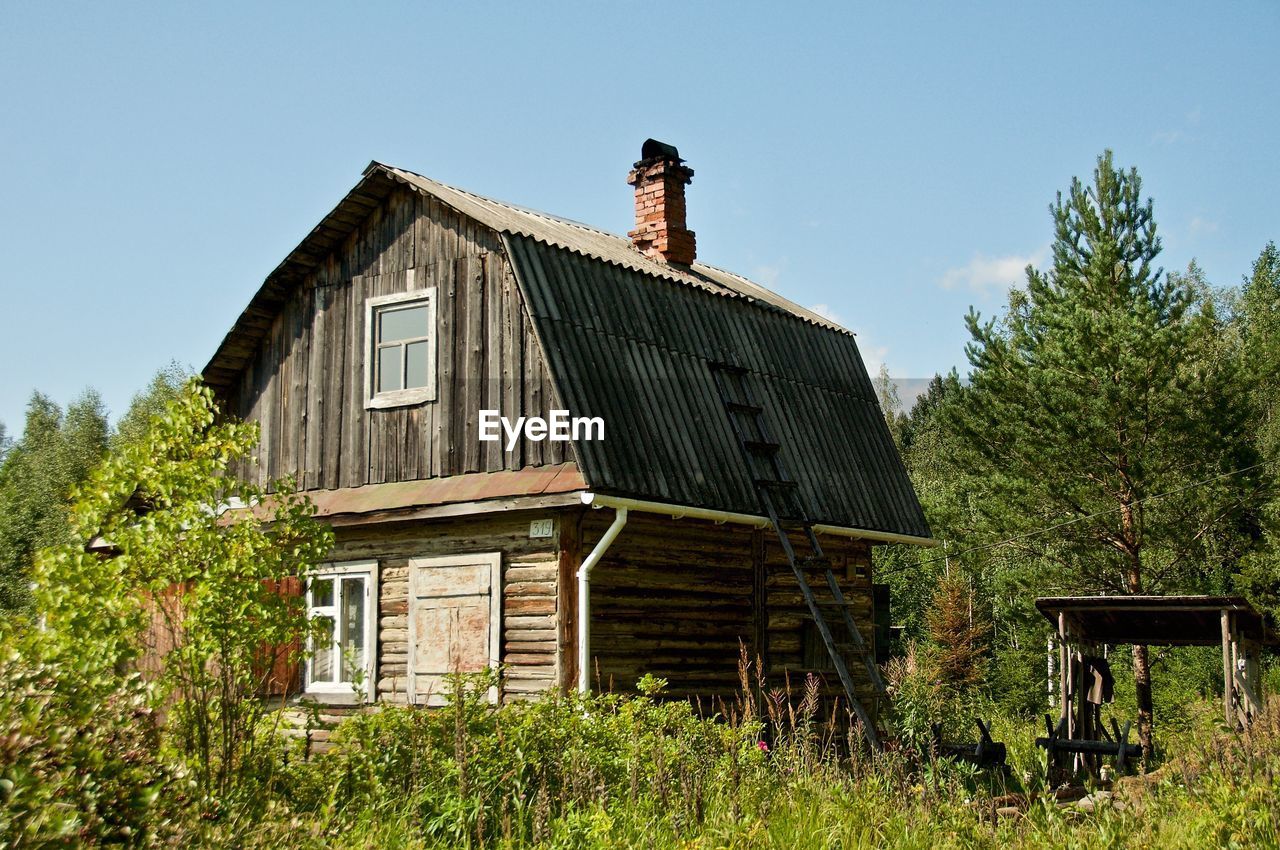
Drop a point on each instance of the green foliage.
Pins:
(608, 771)
(206, 573)
(153, 553)
(1103, 436)
(151, 402)
(1258, 322)
(890, 404)
(79, 752)
(37, 473)
(56, 452)
(469, 773)
(1096, 399)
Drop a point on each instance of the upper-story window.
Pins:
(400, 360)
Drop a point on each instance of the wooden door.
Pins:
(455, 621)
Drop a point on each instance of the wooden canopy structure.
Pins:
(1086, 623)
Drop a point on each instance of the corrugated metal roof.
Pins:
(513, 220)
(637, 352)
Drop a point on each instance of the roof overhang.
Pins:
(532, 488)
(1155, 620)
(601, 500)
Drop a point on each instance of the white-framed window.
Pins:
(342, 654)
(400, 349)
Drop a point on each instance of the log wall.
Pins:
(675, 598)
(529, 568)
(671, 598)
(305, 382)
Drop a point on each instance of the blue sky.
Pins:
(891, 164)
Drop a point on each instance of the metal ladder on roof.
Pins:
(778, 497)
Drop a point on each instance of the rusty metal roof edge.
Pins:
(430, 492)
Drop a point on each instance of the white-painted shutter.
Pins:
(454, 620)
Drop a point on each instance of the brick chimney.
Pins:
(659, 178)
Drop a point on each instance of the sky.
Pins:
(890, 165)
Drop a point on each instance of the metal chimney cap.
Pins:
(654, 149)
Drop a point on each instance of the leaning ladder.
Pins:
(761, 454)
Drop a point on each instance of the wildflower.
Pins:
(762, 746)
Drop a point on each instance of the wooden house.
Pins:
(381, 349)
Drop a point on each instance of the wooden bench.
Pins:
(1118, 747)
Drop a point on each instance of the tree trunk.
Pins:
(1131, 531)
(1142, 686)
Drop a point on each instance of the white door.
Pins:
(455, 621)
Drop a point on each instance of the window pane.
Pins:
(321, 592)
(389, 369)
(403, 323)
(352, 628)
(322, 666)
(415, 354)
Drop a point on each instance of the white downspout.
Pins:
(584, 598)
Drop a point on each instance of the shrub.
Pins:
(78, 754)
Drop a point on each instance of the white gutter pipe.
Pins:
(597, 500)
(584, 596)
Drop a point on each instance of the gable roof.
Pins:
(632, 339)
(379, 180)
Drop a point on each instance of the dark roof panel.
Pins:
(637, 350)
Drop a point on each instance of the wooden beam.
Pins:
(1227, 678)
(570, 560)
(1064, 667)
(759, 600)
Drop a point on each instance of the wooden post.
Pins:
(1252, 674)
(1064, 670)
(1227, 678)
(567, 597)
(759, 601)
(1048, 682)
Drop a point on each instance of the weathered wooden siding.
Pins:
(529, 567)
(676, 598)
(305, 382)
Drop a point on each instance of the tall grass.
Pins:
(769, 769)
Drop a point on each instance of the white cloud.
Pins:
(873, 354)
(873, 357)
(1203, 225)
(991, 275)
(1174, 135)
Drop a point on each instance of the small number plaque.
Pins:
(542, 528)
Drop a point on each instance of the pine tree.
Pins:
(1099, 399)
(1259, 323)
(960, 632)
(1260, 306)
